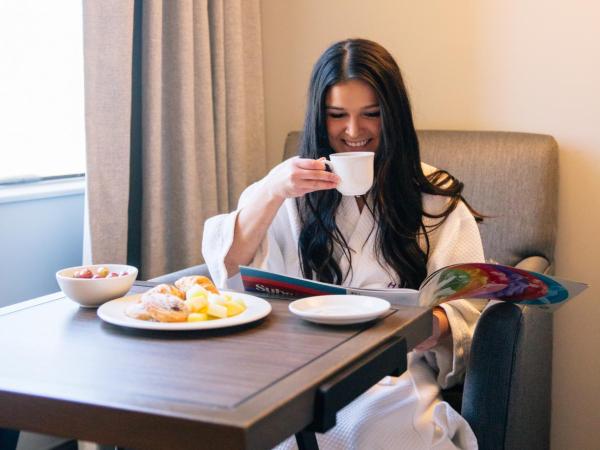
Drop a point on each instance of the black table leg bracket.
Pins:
(306, 440)
(341, 389)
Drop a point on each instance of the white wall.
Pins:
(531, 65)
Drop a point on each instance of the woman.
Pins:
(412, 222)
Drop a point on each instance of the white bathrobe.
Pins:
(403, 412)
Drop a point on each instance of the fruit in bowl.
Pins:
(94, 284)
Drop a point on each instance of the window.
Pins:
(41, 89)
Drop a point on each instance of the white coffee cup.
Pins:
(355, 170)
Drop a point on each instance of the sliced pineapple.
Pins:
(233, 309)
(239, 301)
(216, 310)
(197, 317)
(196, 291)
(214, 305)
(197, 304)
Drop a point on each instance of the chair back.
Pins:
(510, 177)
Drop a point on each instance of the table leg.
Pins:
(307, 440)
(8, 439)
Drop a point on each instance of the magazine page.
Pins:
(498, 282)
(396, 296)
(276, 285)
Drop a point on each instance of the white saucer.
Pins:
(339, 309)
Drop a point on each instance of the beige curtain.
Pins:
(174, 121)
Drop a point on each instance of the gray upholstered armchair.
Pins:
(512, 178)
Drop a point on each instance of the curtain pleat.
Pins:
(134, 216)
(108, 35)
(200, 138)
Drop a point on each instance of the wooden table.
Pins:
(65, 372)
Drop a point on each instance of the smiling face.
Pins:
(353, 117)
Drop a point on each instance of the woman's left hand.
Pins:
(441, 329)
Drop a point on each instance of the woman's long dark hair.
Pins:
(399, 179)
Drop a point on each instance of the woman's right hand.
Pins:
(297, 176)
(292, 178)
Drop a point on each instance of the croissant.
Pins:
(185, 283)
(165, 307)
(138, 311)
(167, 289)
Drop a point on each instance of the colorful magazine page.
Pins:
(498, 282)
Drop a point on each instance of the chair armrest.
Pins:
(508, 383)
(537, 264)
(201, 269)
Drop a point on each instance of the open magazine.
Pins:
(467, 281)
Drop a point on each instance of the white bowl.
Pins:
(92, 292)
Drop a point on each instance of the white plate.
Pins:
(339, 309)
(114, 312)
